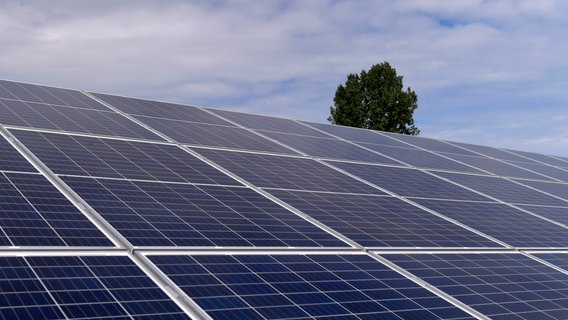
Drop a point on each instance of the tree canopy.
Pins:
(375, 99)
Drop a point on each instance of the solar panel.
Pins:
(329, 148)
(213, 135)
(408, 182)
(266, 123)
(281, 172)
(542, 158)
(429, 144)
(44, 116)
(559, 259)
(163, 110)
(494, 152)
(356, 134)
(502, 189)
(499, 285)
(549, 171)
(302, 287)
(502, 222)
(11, 160)
(89, 287)
(557, 189)
(89, 156)
(378, 221)
(34, 213)
(161, 214)
(557, 214)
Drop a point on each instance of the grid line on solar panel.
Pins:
(285, 172)
(377, 221)
(499, 285)
(165, 214)
(100, 157)
(44, 116)
(158, 109)
(89, 287)
(201, 134)
(11, 159)
(34, 213)
(408, 182)
(502, 189)
(502, 222)
(302, 287)
(48, 95)
(330, 148)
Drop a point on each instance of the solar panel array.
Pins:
(122, 208)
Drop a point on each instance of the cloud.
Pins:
(476, 65)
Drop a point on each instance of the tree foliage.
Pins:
(375, 99)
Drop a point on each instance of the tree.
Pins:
(375, 99)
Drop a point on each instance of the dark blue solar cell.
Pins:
(286, 172)
(213, 135)
(542, 158)
(160, 214)
(77, 155)
(502, 222)
(559, 259)
(12, 160)
(493, 152)
(557, 189)
(329, 148)
(531, 282)
(158, 109)
(557, 214)
(356, 134)
(287, 292)
(375, 221)
(266, 123)
(34, 213)
(45, 116)
(502, 189)
(408, 182)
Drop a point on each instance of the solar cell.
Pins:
(494, 152)
(266, 123)
(302, 287)
(12, 160)
(158, 109)
(356, 134)
(34, 213)
(502, 189)
(429, 144)
(378, 221)
(497, 167)
(283, 172)
(499, 285)
(559, 259)
(550, 171)
(329, 148)
(48, 95)
(89, 156)
(558, 214)
(553, 161)
(94, 287)
(420, 158)
(408, 182)
(44, 116)
(512, 226)
(161, 214)
(557, 189)
(213, 135)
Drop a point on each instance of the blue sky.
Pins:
(486, 72)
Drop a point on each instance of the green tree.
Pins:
(375, 99)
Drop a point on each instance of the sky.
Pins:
(489, 72)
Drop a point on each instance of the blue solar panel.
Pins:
(213, 135)
(494, 152)
(378, 221)
(502, 222)
(356, 134)
(286, 172)
(409, 182)
(11, 160)
(302, 287)
(429, 144)
(560, 174)
(497, 167)
(329, 148)
(43, 116)
(499, 285)
(559, 259)
(77, 155)
(420, 158)
(266, 123)
(160, 214)
(557, 214)
(502, 189)
(163, 110)
(95, 287)
(542, 158)
(557, 189)
(34, 213)
(48, 95)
